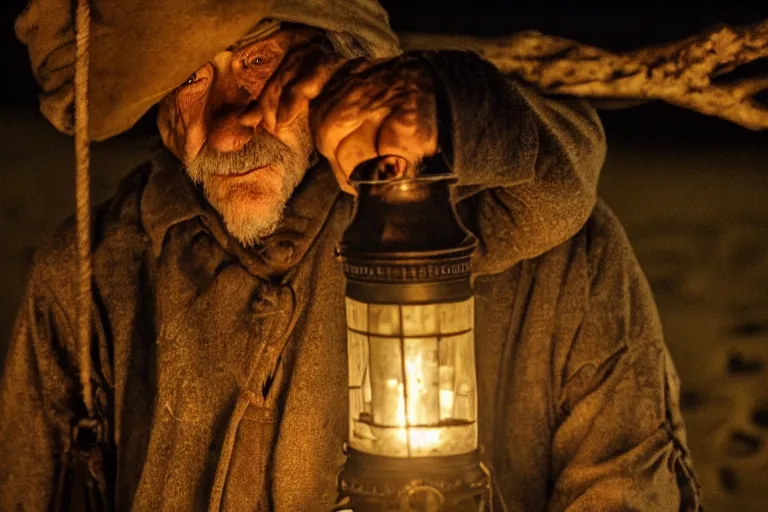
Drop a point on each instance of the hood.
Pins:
(139, 50)
(363, 23)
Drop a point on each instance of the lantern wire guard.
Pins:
(413, 432)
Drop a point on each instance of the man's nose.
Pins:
(233, 123)
(252, 115)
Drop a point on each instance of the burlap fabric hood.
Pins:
(141, 50)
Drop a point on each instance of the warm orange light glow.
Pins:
(418, 439)
(411, 377)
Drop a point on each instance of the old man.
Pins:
(218, 358)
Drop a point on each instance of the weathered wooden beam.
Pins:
(691, 73)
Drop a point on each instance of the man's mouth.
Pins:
(243, 174)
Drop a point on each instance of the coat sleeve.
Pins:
(619, 442)
(36, 402)
(527, 165)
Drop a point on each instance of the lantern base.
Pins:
(376, 483)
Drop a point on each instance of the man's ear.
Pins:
(170, 126)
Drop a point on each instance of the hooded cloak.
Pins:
(140, 51)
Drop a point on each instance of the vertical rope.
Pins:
(83, 200)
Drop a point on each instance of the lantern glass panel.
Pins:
(420, 320)
(386, 362)
(384, 319)
(412, 378)
(421, 382)
(357, 315)
(358, 373)
(457, 371)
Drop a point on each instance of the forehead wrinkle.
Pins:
(269, 45)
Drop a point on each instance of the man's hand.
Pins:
(298, 79)
(359, 109)
(376, 108)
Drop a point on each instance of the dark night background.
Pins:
(692, 192)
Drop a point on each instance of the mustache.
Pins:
(262, 150)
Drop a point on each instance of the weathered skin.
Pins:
(198, 337)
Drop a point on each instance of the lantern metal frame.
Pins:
(407, 247)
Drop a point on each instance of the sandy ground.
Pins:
(698, 219)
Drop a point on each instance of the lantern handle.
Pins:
(394, 167)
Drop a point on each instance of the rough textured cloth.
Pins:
(196, 336)
(141, 50)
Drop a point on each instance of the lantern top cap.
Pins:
(406, 218)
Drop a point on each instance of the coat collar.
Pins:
(170, 198)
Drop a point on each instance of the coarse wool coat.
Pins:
(220, 371)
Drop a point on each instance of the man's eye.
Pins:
(192, 79)
(253, 62)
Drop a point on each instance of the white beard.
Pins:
(252, 206)
(248, 227)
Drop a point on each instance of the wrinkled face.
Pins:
(213, 125)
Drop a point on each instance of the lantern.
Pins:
(413, 438)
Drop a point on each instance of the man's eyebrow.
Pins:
(263, 30)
